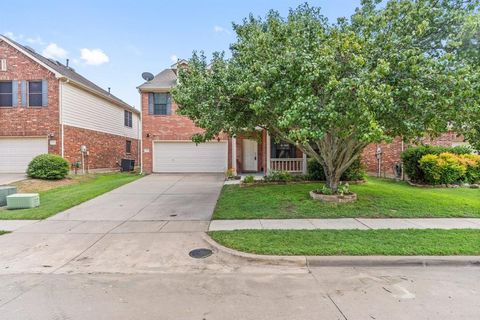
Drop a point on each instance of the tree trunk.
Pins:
(336, 155)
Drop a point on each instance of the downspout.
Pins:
(403, 171)
(60, 106)
(140, 134)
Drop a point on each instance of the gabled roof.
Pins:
(62, 71)
(163, 81)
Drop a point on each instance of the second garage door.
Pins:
(16, 153)
(189, 157)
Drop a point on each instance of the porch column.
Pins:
(234, 155)
(268, 154)
(304, 166)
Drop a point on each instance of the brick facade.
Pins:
(164, 127)
(20, 121)
(391, 152)
(105, 150)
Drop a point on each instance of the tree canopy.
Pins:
(402, 68)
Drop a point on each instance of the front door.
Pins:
(250, 158)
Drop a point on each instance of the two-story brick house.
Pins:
(46, 107)
(167, 145)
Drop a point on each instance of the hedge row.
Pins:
(439, 165)
(449, 168)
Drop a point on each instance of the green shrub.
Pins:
(411, 158)
(445, 168)
(355, 172)
(472, 165)
(49, 167)
(315, 170)
(279, 176)
(249, 179)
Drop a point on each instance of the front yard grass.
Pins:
(376, 198)
(352, 242)
(66, 195)
(3, 232)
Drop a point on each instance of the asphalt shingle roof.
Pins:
(164, 80)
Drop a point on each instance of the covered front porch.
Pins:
(257, 153)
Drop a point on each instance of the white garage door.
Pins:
(189, 157)
(16, 153)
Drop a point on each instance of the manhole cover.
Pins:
(200, 253)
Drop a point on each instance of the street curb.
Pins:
(350, 261)
(392, 261)
(295, 261)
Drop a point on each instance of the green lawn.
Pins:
(376, 198)
(3, 232)
(61, 198)
(352, 242)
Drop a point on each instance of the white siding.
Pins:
(85, 110)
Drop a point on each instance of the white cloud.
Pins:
(15, 37)
(53, 51)
(174, 58)
(20, 37)
(94, 57)
(219, 29)
(35, 40)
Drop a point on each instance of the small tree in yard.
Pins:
(406, 68)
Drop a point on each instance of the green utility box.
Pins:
(23, 201)
(4, 192)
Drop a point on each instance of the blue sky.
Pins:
(113, 42)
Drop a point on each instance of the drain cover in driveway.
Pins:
(200, 253)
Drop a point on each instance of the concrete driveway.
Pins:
(149, 225)
(175, 197)
(7, 178)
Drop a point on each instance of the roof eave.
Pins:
(28, 54)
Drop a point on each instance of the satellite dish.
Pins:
(147, 76)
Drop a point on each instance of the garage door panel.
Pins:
(189, 157)
(16, 153)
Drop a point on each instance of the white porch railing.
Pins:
(295, 165)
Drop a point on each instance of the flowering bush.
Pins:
(449, 168)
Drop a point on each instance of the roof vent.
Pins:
(30, 49)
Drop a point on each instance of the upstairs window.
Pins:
(161, 103)
(128, 119)
(35, 94)
(6, 94)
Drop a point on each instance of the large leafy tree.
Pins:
(404, 68)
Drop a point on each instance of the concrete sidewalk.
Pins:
(345, 223)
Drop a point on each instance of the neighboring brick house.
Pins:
(46, 107)
(381, 158)
(167, 145)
